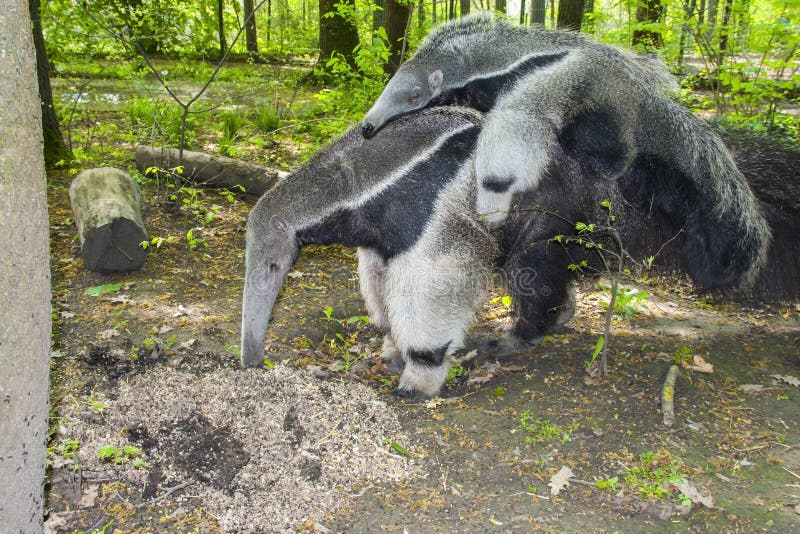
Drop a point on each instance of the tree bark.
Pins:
(464, 7)
(378, 15)
(338, 35)
(55, 149)
(648, 12)
(25, 279)
(250, 31)
(538, 13)
(223, 44)
(107, 206)
(500, 6)
(396, 22)
(570, 14)
(215, 171)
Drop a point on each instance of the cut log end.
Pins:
(114, 247)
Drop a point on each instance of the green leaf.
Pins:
(105, 288)
(598, 348)
(505, 300)
(268, 363)
(400, 449)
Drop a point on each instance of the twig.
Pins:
(791, 472)
(668, 395)
(167, 493)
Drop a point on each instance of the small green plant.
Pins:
(103, 289)
(610, 483)
(327, 311)
(267, 119)
(128, 454)
(95, 406)
(627, 302)
(456, 370)
(232, 122)
(505, 300)
(655, 476)
(682, 355)
(540, 430)
(397, 447)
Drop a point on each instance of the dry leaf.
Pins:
(791, 380)
(560, 480)
(119, 299)
(107, 334)
(751, 388)
(163, 329)
(67, 315)
(188, 345)
(688, 488)
(296, 274)
(472, 380)
(89, 497)
(699, 364)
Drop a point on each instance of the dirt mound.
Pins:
(265, 451)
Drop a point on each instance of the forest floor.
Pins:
(155, 428)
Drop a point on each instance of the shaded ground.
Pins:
(319, 443)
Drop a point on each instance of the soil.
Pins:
(171, 436)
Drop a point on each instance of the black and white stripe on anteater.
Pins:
(561, 108)
(406, 200)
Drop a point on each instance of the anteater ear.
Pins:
(279, 224)
(435, 81)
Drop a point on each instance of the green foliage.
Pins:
(231, 123)
(103, 289)
(682, 355)
(540, 430)
(128, 454)
(397, 448)
(267, 119)
(456, 370)
(654, 474)
(627, 302)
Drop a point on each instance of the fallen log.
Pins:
(205, 169)
(107, 206)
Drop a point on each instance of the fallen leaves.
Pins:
(687, 488)
(791, 380)
(560, 480)
(698, 364)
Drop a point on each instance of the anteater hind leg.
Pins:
(372, 281)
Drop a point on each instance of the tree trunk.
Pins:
(451, 9)
(648, 12)
(378, 15)
(570, 14)
(107, 206)
(55, 149)
(421, 14)
(500, 6)
(396, 22)
(522, 11)
(250, 32)
(223, 45)
(338, 35)
(25, 279)
(215, 171)
(725, 27)
(538, 12)
(464, 7)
